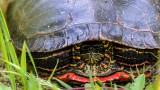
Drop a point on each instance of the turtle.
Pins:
(109, 38)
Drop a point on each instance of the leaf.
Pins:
(139, 83)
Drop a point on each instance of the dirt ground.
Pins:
(3, 76)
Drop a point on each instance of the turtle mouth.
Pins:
(118, 76)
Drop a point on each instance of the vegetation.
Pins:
(15, 71)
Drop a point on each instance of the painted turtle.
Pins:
(109, 37)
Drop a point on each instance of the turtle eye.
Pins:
(101, 49)
(91, 48)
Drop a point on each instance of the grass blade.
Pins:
(63, 84)
(23, 58)
(32, 61)
(91, 79)
(53, 71)
(4, 45)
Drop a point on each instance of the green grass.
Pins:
(16, 70)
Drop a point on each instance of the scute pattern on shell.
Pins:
(48, 25)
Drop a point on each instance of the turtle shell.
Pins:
(52, 29)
